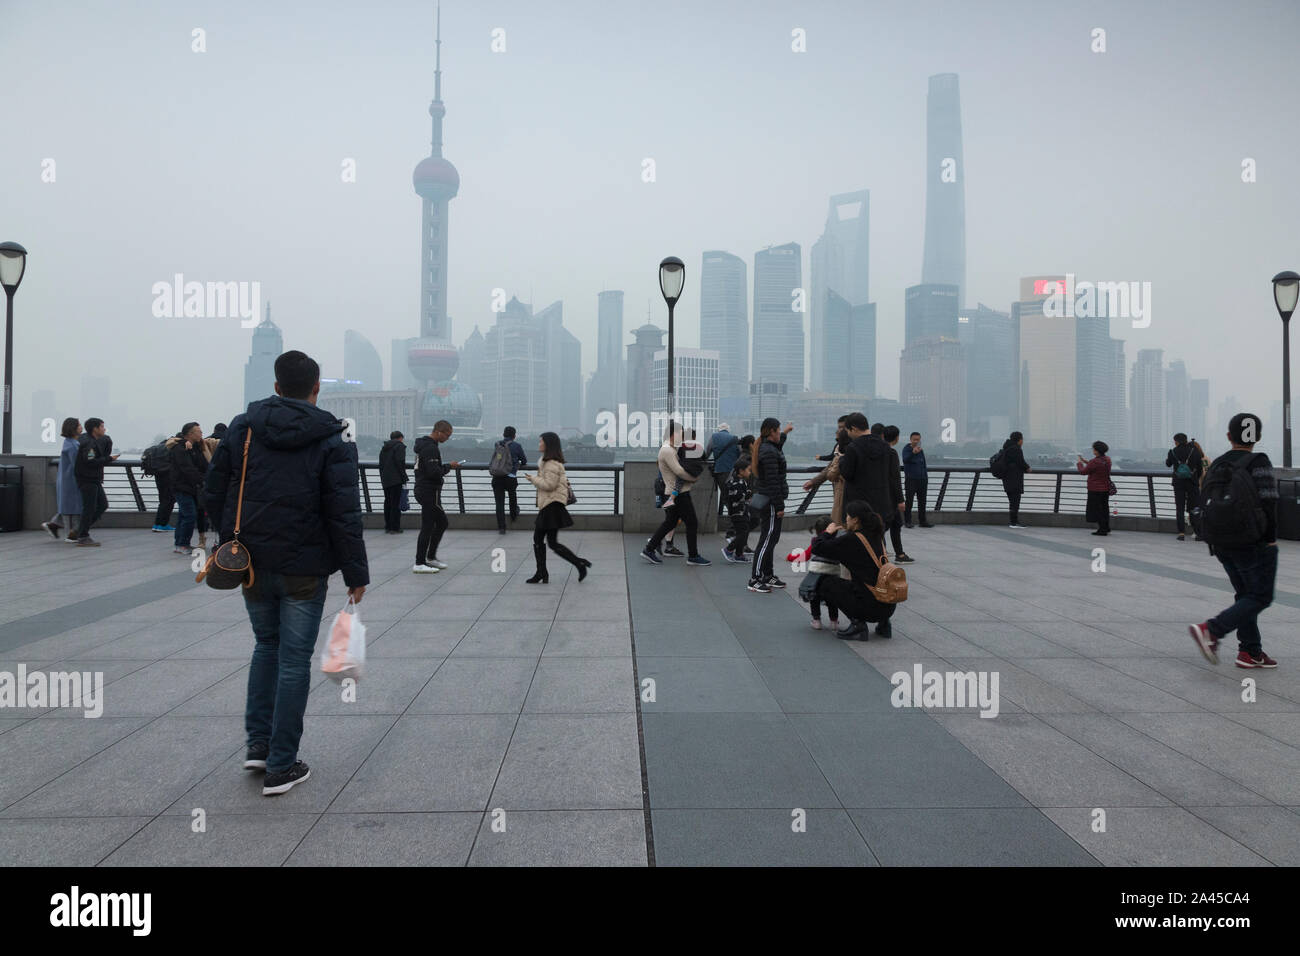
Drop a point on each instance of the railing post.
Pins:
(460, 491)
(616, 473)
(1151, 494)
(365, 489)
(943, 489)
(135, 489)
(974, 483)
(1056, 505)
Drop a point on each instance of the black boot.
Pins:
(572, 558)
(541, 577)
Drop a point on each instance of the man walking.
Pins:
(392, 477)
(301, 521)
(1239, 520)
(865, 467)
(94, 451)
(1187, 464)
(915, 478)
(511, 456)
(429, 474)
(724, 449)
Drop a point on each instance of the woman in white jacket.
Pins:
(552, 484)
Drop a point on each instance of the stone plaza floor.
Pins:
(661, 714)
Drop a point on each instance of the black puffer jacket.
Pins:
(302, 503)
(92, 455)
(429, 475)
(769, 479)
(1014, 478)
(392, 463)
(871, 475)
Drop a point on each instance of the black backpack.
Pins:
(693, 464)
(1232, 514)
(998, 463)
(156, 460)
(660, 488)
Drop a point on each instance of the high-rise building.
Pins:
(1178, 398)
(851, 366)
(724, 320)
(400, 376)
(564, 355)
(531, 371)
(1121, 426)
(991, 345)
(930, 312)
(608, 383)
(471, 362)
(778, 328)
(1199, 398)
(259, 371)
(932, 376)
(1148, 397)
(1227, 408)
(1048, 366)
(695, 388)
(640, 366)
(839, 262)
(361, 363)
(1094, 386)
(945, 188)
(767, 400)
(377, 414)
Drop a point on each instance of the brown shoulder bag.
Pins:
(891, 581)
(230, 566)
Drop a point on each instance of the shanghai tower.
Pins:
(945, 188)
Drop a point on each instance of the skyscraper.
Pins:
(932, 375)
(607, 385)
(930, 311)
(259, 371)
(850, 367)
(1199, 389)
(695, 388)
(724, 320)
(361, 363)
(1147, 397)
(471, 362)
(1048, 365)
(945, 188)
(778, 328)
(1121, 426)
(1178, 398)
(531, 371)
(839, 262)
(640, 366)
(991, 344)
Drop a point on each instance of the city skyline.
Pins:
(275, 239)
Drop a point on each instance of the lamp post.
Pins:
(1286, 287)
(13, 263)
(672, 276)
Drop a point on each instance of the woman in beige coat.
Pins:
(552, 484)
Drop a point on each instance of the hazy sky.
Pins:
(225, 166)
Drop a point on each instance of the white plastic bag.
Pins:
(344, 654)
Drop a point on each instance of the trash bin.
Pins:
(1288, 509)
(11, 497)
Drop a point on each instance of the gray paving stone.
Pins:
(504, 639)
(430, 640)
(429, 763)
(38, 751)
(1009, 641)
(537, 606)
(1152, 836)
(226, 840)
(154, 641)
(156, 688)
(900, 759)
(758, 838)
(730, 761)
(451, 607)
(1105, 688)
(477, 685)
(967, 837)
(387, 685)
(563, 838)
(564, 762)
(1021, 690)
(606, 638)
(62, 841)
(388, 839)
(582, 686)
(825, 685)
(1202, 684)
(657, 638)
(1272, 832)
(467, 583)
(705, 685)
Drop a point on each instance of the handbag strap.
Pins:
(243, 473)
(870, 551)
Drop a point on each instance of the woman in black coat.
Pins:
(853, 596)
(1013, 476)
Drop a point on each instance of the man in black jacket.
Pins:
(392, 476)
(94, 451)
(1014, 467)
(866, 467)
(429, 473)
(301, 522)
(1186, 461)
(189, 470)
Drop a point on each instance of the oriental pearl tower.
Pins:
(433, 358)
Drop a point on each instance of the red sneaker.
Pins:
(1264, 661)
(1207, 642)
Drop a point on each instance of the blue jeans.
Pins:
(1252, 572)
(188, 509)
(285, 611)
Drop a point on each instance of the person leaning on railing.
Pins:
(831, 473)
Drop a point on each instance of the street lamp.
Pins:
(672, 276)
(13, 263)
(1286, 287)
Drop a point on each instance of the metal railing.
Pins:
(1143, 494)
(467, 490)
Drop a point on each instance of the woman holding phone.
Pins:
(1098, 472)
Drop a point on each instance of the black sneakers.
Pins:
(286, 780)
(255, 758)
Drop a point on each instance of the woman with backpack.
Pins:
(858, 550)
(1099, 485)
(552, 484)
